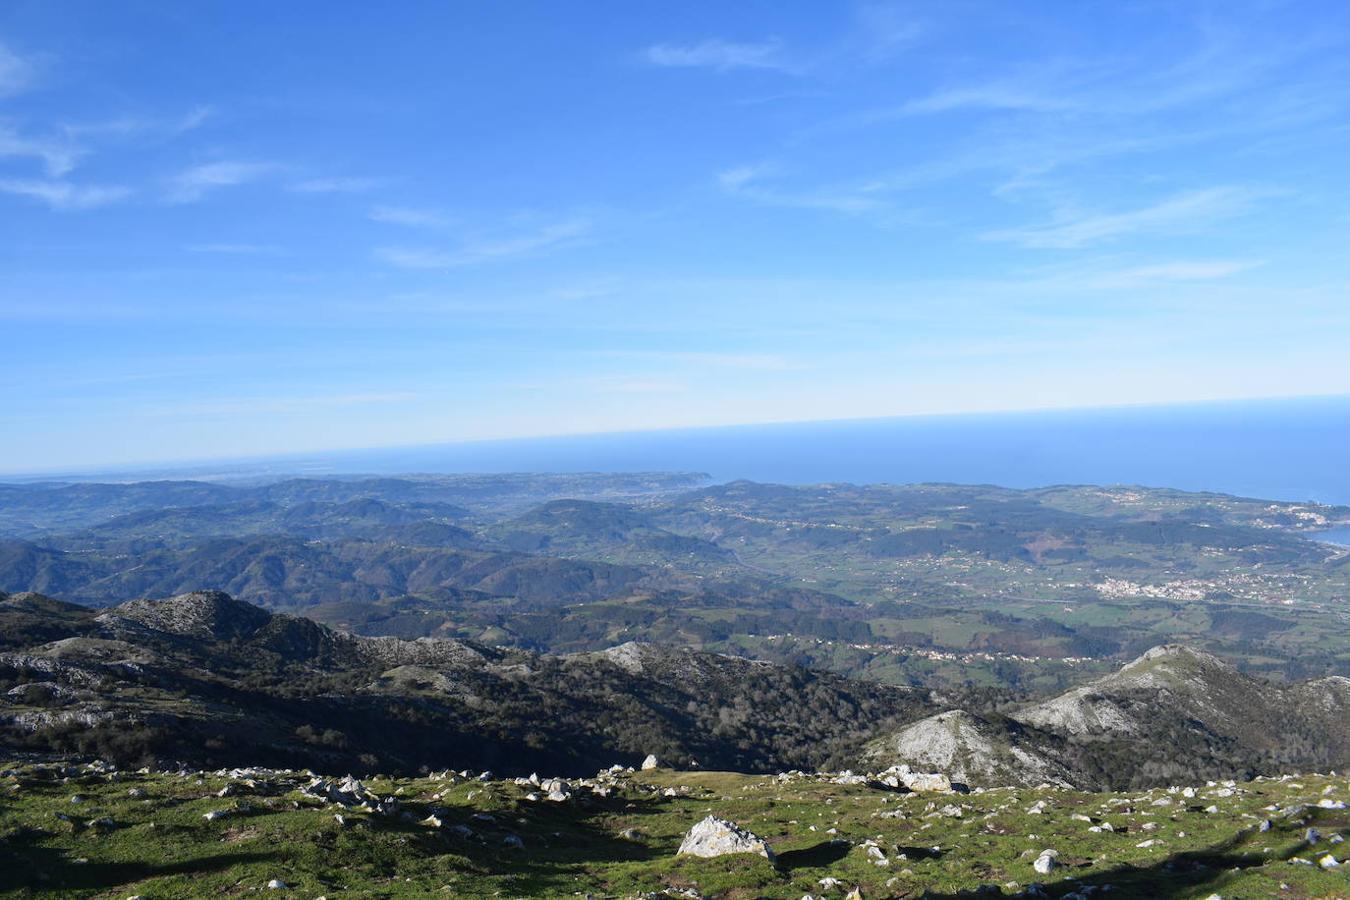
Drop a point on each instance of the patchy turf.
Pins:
(82, 831)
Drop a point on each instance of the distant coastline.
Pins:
(1289, 449)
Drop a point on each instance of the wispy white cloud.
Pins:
(124, 127)
(16, 72)
(1111, 275)
(490, 248)
(1195, 270)
(337, 185)
(64, 196)
(58, 156)
(192, 184)
(637, 384)
(757, 183)
(1179, 213)
(719, 55)
(873, 34)
(587, 290)
(193, 119)
(880, 30)
(411, 217)
(992, 96)
(416, 258)
(67, 144)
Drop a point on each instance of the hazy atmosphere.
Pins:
(252, 228)
(638, 450)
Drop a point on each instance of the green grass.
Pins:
(160, 845)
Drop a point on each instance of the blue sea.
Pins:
(1338, 536)
(1296, 449)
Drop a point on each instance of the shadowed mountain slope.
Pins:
(206, 678)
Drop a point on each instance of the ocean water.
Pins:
(1296, 449)
(1338, 536)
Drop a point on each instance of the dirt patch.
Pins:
(235, 835)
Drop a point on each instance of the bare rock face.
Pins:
(718, 837)
(201, 614)
(1179, 678)
(969, 749)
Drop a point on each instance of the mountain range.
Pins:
(960, 586)
(214, 681)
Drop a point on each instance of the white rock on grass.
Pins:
(1046, 862)
(924, 782)
(718, 837)
(651, 762)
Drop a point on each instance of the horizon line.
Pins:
(184, 464)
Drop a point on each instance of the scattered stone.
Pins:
(1046, 862)
(651, 762)
(276, 884)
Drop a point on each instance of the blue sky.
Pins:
(247, 227)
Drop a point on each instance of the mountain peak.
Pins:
(1176, 652)
(205, 614)
(1172, 666)
(1171, 683)
(630, 656)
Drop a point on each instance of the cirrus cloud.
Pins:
(719, 55)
